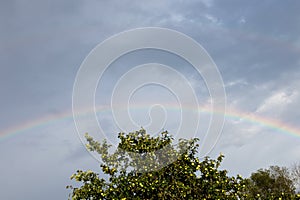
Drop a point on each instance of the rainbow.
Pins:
(254, 118)
(274, 124)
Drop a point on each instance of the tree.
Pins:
(138, 169)
(295, 173)
(272, 183)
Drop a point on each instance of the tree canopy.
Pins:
(272, 183)
(146, 167)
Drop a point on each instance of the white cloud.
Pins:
(242, 20)
(214, 20)
(277, 103)
(207, 3)
(236, 82)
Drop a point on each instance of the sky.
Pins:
(254, 44)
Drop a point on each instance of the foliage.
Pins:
(295, 175)
(145, 167)
(272, 183)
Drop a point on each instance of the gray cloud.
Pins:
(254, 44)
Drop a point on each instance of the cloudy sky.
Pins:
(255, 45)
